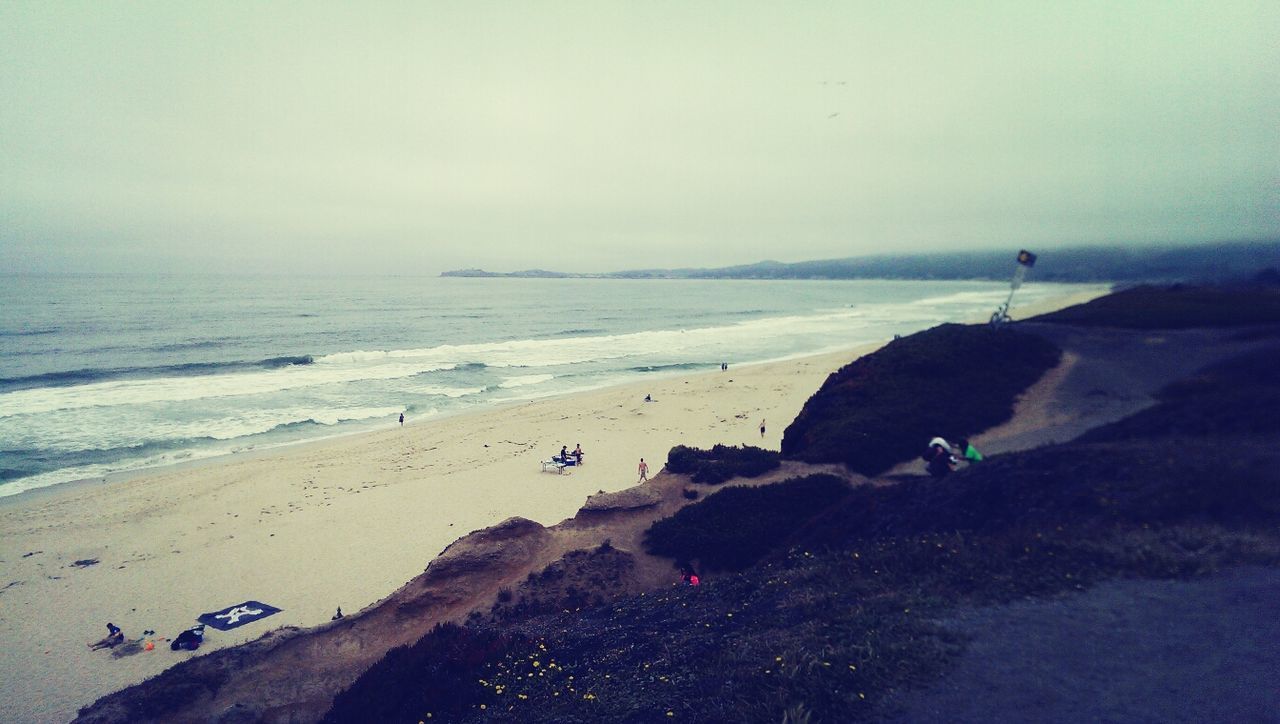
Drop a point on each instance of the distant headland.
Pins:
(1214, 262)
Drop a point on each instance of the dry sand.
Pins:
(342, 522)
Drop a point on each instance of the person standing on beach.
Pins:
(762, 428)
(644, 470)
(402, 419)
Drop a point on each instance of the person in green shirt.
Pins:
(969, 452)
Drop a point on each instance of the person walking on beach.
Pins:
(644, 470)
(402, 419)
(762, 428)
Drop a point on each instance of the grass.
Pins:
(951, 380)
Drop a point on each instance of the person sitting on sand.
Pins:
(648, 398)
(114, 636)
(968, 452)
(189, 639)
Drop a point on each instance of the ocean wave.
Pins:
(450, 392)
(524, 380)
(91, 375)
(12, 474)
(28, 332)
(106, 452)
(575, 332)
(269, 378)
(675, 366)
(648, 349)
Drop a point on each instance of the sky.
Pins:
(416, 137)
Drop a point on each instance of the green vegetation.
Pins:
(738, 525)
(831, 612)
(836, 616)
(580, 579)
(951, 380)
(436, 675)
(721, 462)
(1177, 307)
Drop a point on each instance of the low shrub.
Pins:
(722, 462)
(951, 380)
(738, 525)
(437, 676)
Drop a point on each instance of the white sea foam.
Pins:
(108, 429)
(200, 387)
(523, 380)
(135, 419)
(363, 365)
(438, 391)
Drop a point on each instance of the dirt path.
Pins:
(1105, 375)
(1134, 651)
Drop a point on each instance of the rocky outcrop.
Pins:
(513, 541)
(641, 496)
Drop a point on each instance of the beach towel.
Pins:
(237, 615)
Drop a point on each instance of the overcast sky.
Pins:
(416, 137)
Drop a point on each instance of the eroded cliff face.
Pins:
(291, 674)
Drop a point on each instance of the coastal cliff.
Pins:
(843, 613)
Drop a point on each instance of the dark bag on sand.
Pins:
(189, 640)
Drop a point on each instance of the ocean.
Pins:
(107, 373)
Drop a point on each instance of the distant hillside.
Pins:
(1220, 262)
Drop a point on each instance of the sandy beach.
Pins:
(341, 522)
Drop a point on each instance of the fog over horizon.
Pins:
(592, 137)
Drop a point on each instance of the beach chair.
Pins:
(553, 464)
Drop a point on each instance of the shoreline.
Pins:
(338, 522)
(342, 521)
(117, 477)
